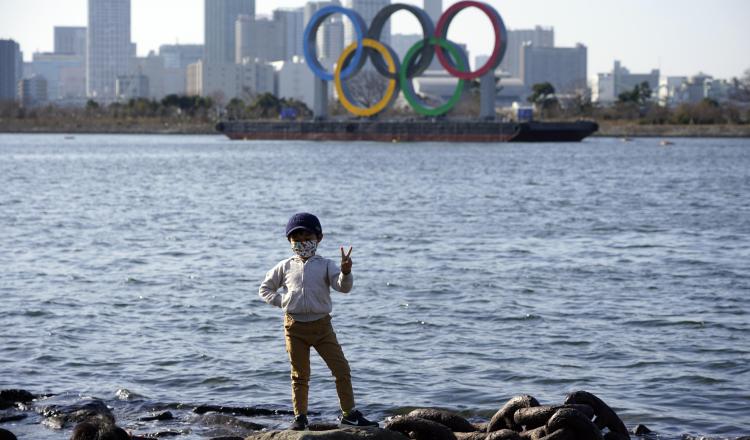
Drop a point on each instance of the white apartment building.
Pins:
(226, 81)
(295, 80)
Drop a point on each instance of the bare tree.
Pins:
(366, 88)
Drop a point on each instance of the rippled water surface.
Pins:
(132, 263)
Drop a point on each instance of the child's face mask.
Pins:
(304, 249)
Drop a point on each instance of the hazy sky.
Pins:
(681, 37)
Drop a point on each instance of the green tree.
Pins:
(266, 105)
(236, 109)
(543, 96)
(641, 94)
(92, 107)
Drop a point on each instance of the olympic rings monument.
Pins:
(400, 74)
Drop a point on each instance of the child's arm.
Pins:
(271, 283)
(342, 279)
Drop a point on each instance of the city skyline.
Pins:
(679, 38)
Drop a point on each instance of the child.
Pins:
(306, 301)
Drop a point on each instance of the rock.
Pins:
(7, 435)
(337, 434)
(569, 418)
(9, 398)
(476, 435)
(534, 434)
(59, 416)
(480, 426)
(243, 411)
(504, 417)
(420, 429)
(561, 434)
(160, 434)
(455, 422)
(641, 430)
(322, 426)
(98, 430)
(503, 434)
(537, 416)
(228, 421)
(605, 416)
(166, 415)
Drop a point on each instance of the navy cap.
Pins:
(306, 221)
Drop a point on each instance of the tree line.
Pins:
(638, 105)
(263, 106)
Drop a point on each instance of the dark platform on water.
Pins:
(409, 131)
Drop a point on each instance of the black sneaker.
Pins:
(355, 418)
(299, 424)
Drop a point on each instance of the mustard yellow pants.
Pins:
(300, 336)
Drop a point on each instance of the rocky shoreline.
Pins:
(581, 416)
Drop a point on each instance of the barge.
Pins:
(409, 130)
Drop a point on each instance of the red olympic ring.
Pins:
(441, 31)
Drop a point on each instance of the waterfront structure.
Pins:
(222, 82)
(517, 39)
(220, 24)
(258, 38)
(11, 65)
(70, 40)
(108, 46)
(563, 67)
(293, 27)
(607, 87)
(294, 80)
(367, 9)
(32, 91)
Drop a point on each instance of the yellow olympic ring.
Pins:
(392, 83)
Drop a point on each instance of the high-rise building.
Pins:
(259, 38)
(226, 81)
(109, 49)
(563, 67)
(179, 56)
(329, 42)
(11, 64)
(434, 9)
(401, 43)
(65, 74)
(70, 40)
(220, 24)
(132, 86)
(294, 80)
(538, 37)
(293, 28)
(367, 9)
(32, 91)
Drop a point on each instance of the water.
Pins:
(132, 263)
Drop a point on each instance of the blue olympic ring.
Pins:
(309, 43)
